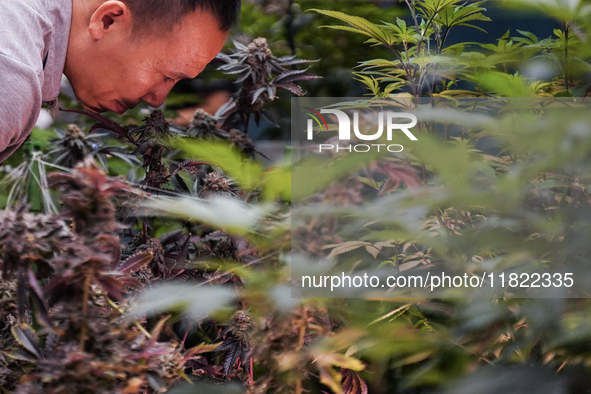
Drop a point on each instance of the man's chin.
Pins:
(92, 108)
(113, 106)
(118, 107)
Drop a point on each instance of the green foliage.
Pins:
(518, 206)
(245, 172)
(422, 64)
(362, 26)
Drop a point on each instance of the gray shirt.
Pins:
(33, 44)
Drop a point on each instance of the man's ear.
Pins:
(109, 16)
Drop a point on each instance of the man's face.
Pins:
(116, 72)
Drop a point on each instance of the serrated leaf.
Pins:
(373, 250)
(231, 357)
(349, 28)
(345, 247)
(21, 355)
(257, 93)
(409, 265)
(27, 338)
(136, 262)
(385, 244)
(292, 88)
(363, 25)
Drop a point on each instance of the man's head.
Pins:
(124, 51)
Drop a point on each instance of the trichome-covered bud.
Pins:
(215, 183)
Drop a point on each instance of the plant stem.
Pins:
(413, 13)
(406, 69)
(298, 387)
(447, 29)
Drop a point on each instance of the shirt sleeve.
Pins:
(20, 103)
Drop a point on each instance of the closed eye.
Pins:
(167, 79)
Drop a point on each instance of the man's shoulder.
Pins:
(34, 12)
(24, 28)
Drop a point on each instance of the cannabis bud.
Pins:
(260, 74)
(241, 323)
(258, 49)
(236, 345)
(203, 120)
(215, 183)
(204, 126)
(242, 141)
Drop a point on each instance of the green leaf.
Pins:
(244, 171)
(432, 7)
(452, 163)
(401, 32)
(461, 15)
(532, 37)
(378, 63)
(350, 29)
(362, 26)
(344, 247)
(503, 84)
(277, 183)
(325, 172)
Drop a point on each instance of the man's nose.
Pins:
(155, 97)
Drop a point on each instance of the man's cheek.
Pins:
(135, 91)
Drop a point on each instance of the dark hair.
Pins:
(164, 14)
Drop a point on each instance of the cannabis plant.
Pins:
(420, 60)
(73, 145)
(423, 64)
(260, 75)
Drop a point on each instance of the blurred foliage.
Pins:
(421, 63)
(290, 30)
